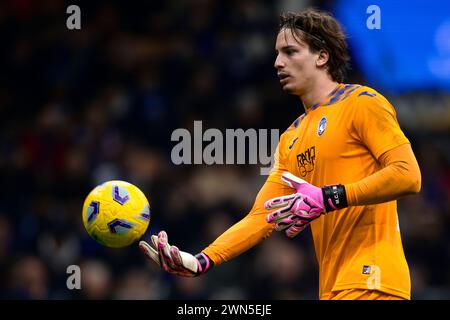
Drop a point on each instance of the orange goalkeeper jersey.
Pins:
(338, 141)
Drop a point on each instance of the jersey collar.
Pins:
(338, 94)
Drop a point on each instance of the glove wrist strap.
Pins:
(334, 197)
(204, 263)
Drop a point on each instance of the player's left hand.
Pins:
(297, 210)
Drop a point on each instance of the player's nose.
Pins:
(279, 64)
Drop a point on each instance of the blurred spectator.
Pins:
(96, 280)
(28, 279)
(138, 284)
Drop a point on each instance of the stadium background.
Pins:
(81, 107)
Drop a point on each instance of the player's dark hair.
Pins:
(321, 31)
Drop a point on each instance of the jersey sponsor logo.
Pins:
(322, 126)
(306, 160)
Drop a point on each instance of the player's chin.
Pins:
(288, 89)
(291, 88)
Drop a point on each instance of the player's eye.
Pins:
(290, 52)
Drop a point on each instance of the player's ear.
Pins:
(322, 58)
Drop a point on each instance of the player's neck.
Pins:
(317, 93)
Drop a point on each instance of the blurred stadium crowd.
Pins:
(85, 106)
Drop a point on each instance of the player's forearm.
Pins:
(248, 232)
(400, 176)
(239, 238)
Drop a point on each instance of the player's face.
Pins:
(295, 64)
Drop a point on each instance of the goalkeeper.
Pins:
(339, 168)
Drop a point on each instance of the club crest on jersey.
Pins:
(322, 126)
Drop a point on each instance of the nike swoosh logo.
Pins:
(292, 144)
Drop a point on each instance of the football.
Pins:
(116, 213)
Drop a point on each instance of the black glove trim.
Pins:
(336, 195)
(205, 262)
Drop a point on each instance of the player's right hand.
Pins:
(296, 211)
(174, 261)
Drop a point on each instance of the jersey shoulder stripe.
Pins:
(296, 123)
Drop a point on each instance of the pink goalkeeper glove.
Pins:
(299, 209)
(174, 261)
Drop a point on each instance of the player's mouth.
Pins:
(284, 77)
